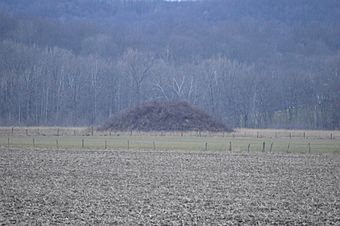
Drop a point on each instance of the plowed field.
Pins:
(139, 187)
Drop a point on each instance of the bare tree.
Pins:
(137, 66)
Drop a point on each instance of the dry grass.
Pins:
(68, 138)
(238, 132)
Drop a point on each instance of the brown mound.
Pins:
(164, 116)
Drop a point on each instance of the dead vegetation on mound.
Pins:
(164, 116)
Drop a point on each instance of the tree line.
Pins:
(245, 64)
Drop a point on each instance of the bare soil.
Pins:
(133, 187)
(164, 116)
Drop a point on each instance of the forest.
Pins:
(254, 64)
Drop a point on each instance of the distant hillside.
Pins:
(260, 63)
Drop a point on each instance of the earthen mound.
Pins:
(164, 116)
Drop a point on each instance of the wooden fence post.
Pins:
(271, 147)
(128, 144)
(288, 147)
(26, 132)
(248, 147)
(309, 148)
(33, 141)
(8, 142)
(57, 143)
(230, 147)
(12, 131)
(105, 145)
(264, 147)
(206, 146)
(82, 143)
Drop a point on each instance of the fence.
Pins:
(238, 133)
(245, 140)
